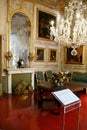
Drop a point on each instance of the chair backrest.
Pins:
(48, 75)
(39, 76)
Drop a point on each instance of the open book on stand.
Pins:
(65, 96)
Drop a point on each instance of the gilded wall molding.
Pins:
(19, 6)
(53, 4)
(58, 5)
(46, 43)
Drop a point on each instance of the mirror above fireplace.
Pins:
(20, 39)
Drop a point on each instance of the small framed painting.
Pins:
(52, 55)
(44, 23)
(72, 58)
(40, 54)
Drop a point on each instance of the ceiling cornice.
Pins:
(53, 4)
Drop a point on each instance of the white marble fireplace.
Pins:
(10, 72)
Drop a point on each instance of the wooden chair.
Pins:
(48, 75)
(44, 88)
(40, 76)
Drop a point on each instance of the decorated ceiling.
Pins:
(54, 4)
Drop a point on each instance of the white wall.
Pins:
(3, 29)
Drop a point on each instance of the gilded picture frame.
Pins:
(44, 23)
(52, 55)
(40, 54)
(74, 59)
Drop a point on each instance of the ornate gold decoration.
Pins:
(23, 7)
(31, 56)
(8, 57)
(54, 4)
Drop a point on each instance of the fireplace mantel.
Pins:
(11, 71)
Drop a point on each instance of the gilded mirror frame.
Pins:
(11, 11)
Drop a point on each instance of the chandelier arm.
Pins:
(73, 26)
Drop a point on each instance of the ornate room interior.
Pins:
(43, 48)
(22, 39)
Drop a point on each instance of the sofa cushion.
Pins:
(78, 76)
(79, 83)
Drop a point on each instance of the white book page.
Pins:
(65, 96)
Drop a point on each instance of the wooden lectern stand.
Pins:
(70, 102)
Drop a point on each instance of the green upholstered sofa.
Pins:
(79, 78)
(78, 82)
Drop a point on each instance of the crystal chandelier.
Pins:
(73, 28)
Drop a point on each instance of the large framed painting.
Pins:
(74, 59)
(52, 55)
(44, 23)
(84, 0)
(40, 54)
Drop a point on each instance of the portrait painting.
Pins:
(39, 54)
(52, 55)
(72, 58)
(44, 23)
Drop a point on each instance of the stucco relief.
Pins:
(28, 6)
(19, 34)
(53, 4)
(46, 43)
(16, 4)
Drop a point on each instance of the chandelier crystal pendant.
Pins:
(73, 28)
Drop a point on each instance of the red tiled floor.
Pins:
(21, 112)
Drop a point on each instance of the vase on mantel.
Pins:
(21, 63)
